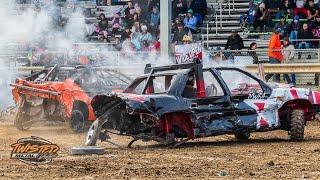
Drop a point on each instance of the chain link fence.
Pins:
(248, 57)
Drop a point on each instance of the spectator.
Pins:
(179, 7)
(186, 39)
(288, 52)
(135, 38)
(117, 44)
(142, 17)
(315, 27)
(178, 35)
(248, 17)
(218, 56)
(304, 34)
(234, 42)
(127, 45)
(137, 26)
(145, 35)
(153, 3)
(157, 45)
(252, 53)
(116, 23)
(190, 22)
(284, 26)
(294, 29)
(95, 31)
(254, 4)
(129, 10)
(300, 9)
(273, 7)
(175, 23)
(103, 24)
(315, 24)
(101, 2)
(154, 20)
(103, 37)
(312, 11)
(135, 19)
(275, 55)
(125, 33)
(287, 8)
(260, 18)
(143, 5)
(198, 7)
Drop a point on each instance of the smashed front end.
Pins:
(162, 118)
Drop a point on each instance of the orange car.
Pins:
(63, 94)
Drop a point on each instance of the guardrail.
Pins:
(261, 69)
(262, 54)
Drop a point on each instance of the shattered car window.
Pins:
(139, 88)
(240, 83)
(158, 84)
(213, 88)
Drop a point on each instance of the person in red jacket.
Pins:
(274, 53)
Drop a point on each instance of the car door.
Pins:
(248, 94)
(214, 113)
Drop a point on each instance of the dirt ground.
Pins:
(267, 155)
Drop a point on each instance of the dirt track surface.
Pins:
(266, 155)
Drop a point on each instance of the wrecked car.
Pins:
(177, 103)
(63, 93)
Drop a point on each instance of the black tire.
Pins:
(297, 124)
(93, 133)
(242, 136)
(22, 120)
(79, 120)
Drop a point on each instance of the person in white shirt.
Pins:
(288, 52)
(300, 9)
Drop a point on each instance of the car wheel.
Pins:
(22, 120)
(297, 124)
(79, 120)
(242, 136)
(93, 133)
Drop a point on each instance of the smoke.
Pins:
(33, 28)
(21, 30)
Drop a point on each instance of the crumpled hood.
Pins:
(154, 104)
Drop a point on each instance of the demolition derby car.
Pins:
(173, 104)
(64, 94)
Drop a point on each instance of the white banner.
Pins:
(188, 52)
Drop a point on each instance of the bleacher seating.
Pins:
(230, 15)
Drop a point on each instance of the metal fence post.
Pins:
(208, 34)
(229, 6)
(261, 71)
(220, 14)
(216, 22)
(318, 54)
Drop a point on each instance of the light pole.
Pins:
(165, 28)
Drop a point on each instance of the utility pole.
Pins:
(165, 28)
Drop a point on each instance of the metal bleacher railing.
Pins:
(222, 5)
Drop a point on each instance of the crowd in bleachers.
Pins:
(299, 20)
(137, 29)
(295, 24)
(127, 26)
